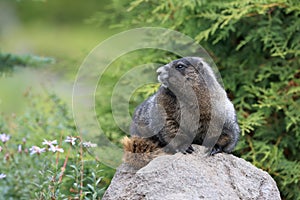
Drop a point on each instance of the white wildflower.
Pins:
(2, 176)
(0, 148)
(56, 149)
(4, 138)
(49, 143)
(20, 148)
(36, 150)
(88, 144)
(71, 140)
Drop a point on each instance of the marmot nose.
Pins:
(161, 69)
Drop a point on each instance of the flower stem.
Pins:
(64, 166)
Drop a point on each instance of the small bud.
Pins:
(19, 148)
(6, 157)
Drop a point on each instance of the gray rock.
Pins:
(193, 176)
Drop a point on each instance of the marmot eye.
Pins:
(180, 66)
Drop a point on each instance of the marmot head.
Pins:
(186, 70)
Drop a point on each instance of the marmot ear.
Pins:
(199, 65)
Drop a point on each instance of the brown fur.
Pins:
(138, 152)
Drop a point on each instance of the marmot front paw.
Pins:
(190, 149)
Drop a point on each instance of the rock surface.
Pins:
(193, 176)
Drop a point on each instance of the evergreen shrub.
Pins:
(256, 46)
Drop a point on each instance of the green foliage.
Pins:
(8, 61)
(55, 11)
(146, 91)
(256, 45)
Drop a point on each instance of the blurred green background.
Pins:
(57, 29)
(254, 43)
(50, 28)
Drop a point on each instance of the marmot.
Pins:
(189, 107)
